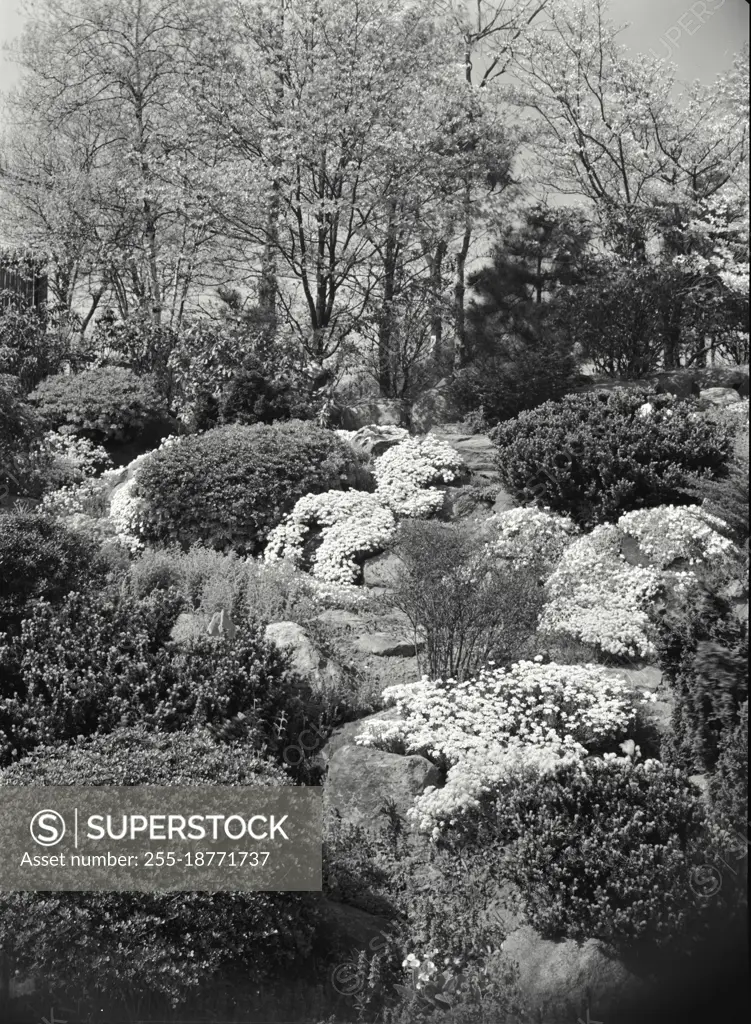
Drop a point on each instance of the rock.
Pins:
(339, 618)
(222, 625)
(478, 453)
(305, 657)
(735, 377)
(719, 397)
(343, 928)
(504, 501)
(642, 677)
(435, 406)
(361, 780)
(188, 626)
(384, 645)
(680, 383)
(374, 440)
(345, 735)
(382, 570)
(563, 980)
(461, 502)
(379, 412)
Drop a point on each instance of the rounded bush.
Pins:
(596, 456)
(229, 487)
(108, 404)
(605, 849)
(39, 557)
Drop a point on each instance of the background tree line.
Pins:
(397, 189)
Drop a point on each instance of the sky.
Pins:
(700, 36)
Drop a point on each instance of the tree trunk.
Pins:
(671, 338)
(460, 345)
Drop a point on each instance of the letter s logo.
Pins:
(47, 828)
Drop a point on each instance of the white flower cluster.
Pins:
(125, 506)
(527, 717)
(354, 523)
(406, 473)
(599, 599)
(530, 534)
(86, 498)
(125, 515)
(671, 532)
(84, 458)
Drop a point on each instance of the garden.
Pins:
(465, 548)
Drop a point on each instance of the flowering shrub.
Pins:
(76, 458)
(670, 533)
(485, 729)
(354, 524)
(530, 535)
(593, 457)
(596, 596)
(231, 486)
(599, 599)
(603, 849)
(88, 498)
(406, 473)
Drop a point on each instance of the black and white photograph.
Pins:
(374, 511)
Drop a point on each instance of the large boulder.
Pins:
(735, 377)
(565, 980)
(719, 397)
(390, 412)
(344, 735)
(374, 440)
(381, 570)
(387, 645)
(304, 656)
(434, 407)
(361, 780)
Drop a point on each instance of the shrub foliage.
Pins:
(230, 486)
(596, 456)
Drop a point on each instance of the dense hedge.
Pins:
(39, 557)
(133, 756)
(112, 951)
(229, 487)
(19, 430)
(107, 404)
(596, 456)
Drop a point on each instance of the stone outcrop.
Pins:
(362, 780)
(374, 440)
(719, 397)
(565, 980)
(381, 570)
(379, 412)
(436, 406)
(305, 657)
